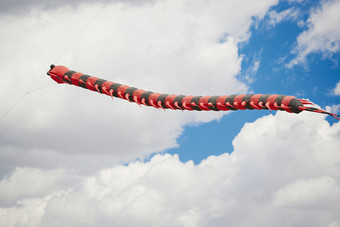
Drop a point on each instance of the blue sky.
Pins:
(268, 44)
(72, 157)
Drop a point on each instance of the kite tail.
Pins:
(315, 110)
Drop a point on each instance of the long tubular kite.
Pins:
(291, 104)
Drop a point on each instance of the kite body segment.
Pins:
(291, 104)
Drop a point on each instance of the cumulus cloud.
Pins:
(19, 185)
(182, 47)
(314, 193)
(286, 175)
(322, 35)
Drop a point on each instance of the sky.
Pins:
(72, 157)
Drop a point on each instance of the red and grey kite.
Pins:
(291, 104)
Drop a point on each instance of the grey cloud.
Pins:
(14, 6)
(71, 127)
(25, 6)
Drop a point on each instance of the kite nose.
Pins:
(51, 67)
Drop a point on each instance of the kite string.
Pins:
(58, 58)
(43, 87)
(21, 98)
(81, 32)
(12, 107)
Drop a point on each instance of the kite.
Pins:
(291, 104)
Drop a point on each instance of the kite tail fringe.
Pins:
(306, 102)
(315, 110)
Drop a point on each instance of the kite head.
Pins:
(57, 73)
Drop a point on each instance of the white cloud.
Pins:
(288, 14)
(170, 46)
(39, 182)
(284, 171)
(251, 71)
(337, 89)
(167, 46)
(322, 35)
(315, 193)
(335, 109)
